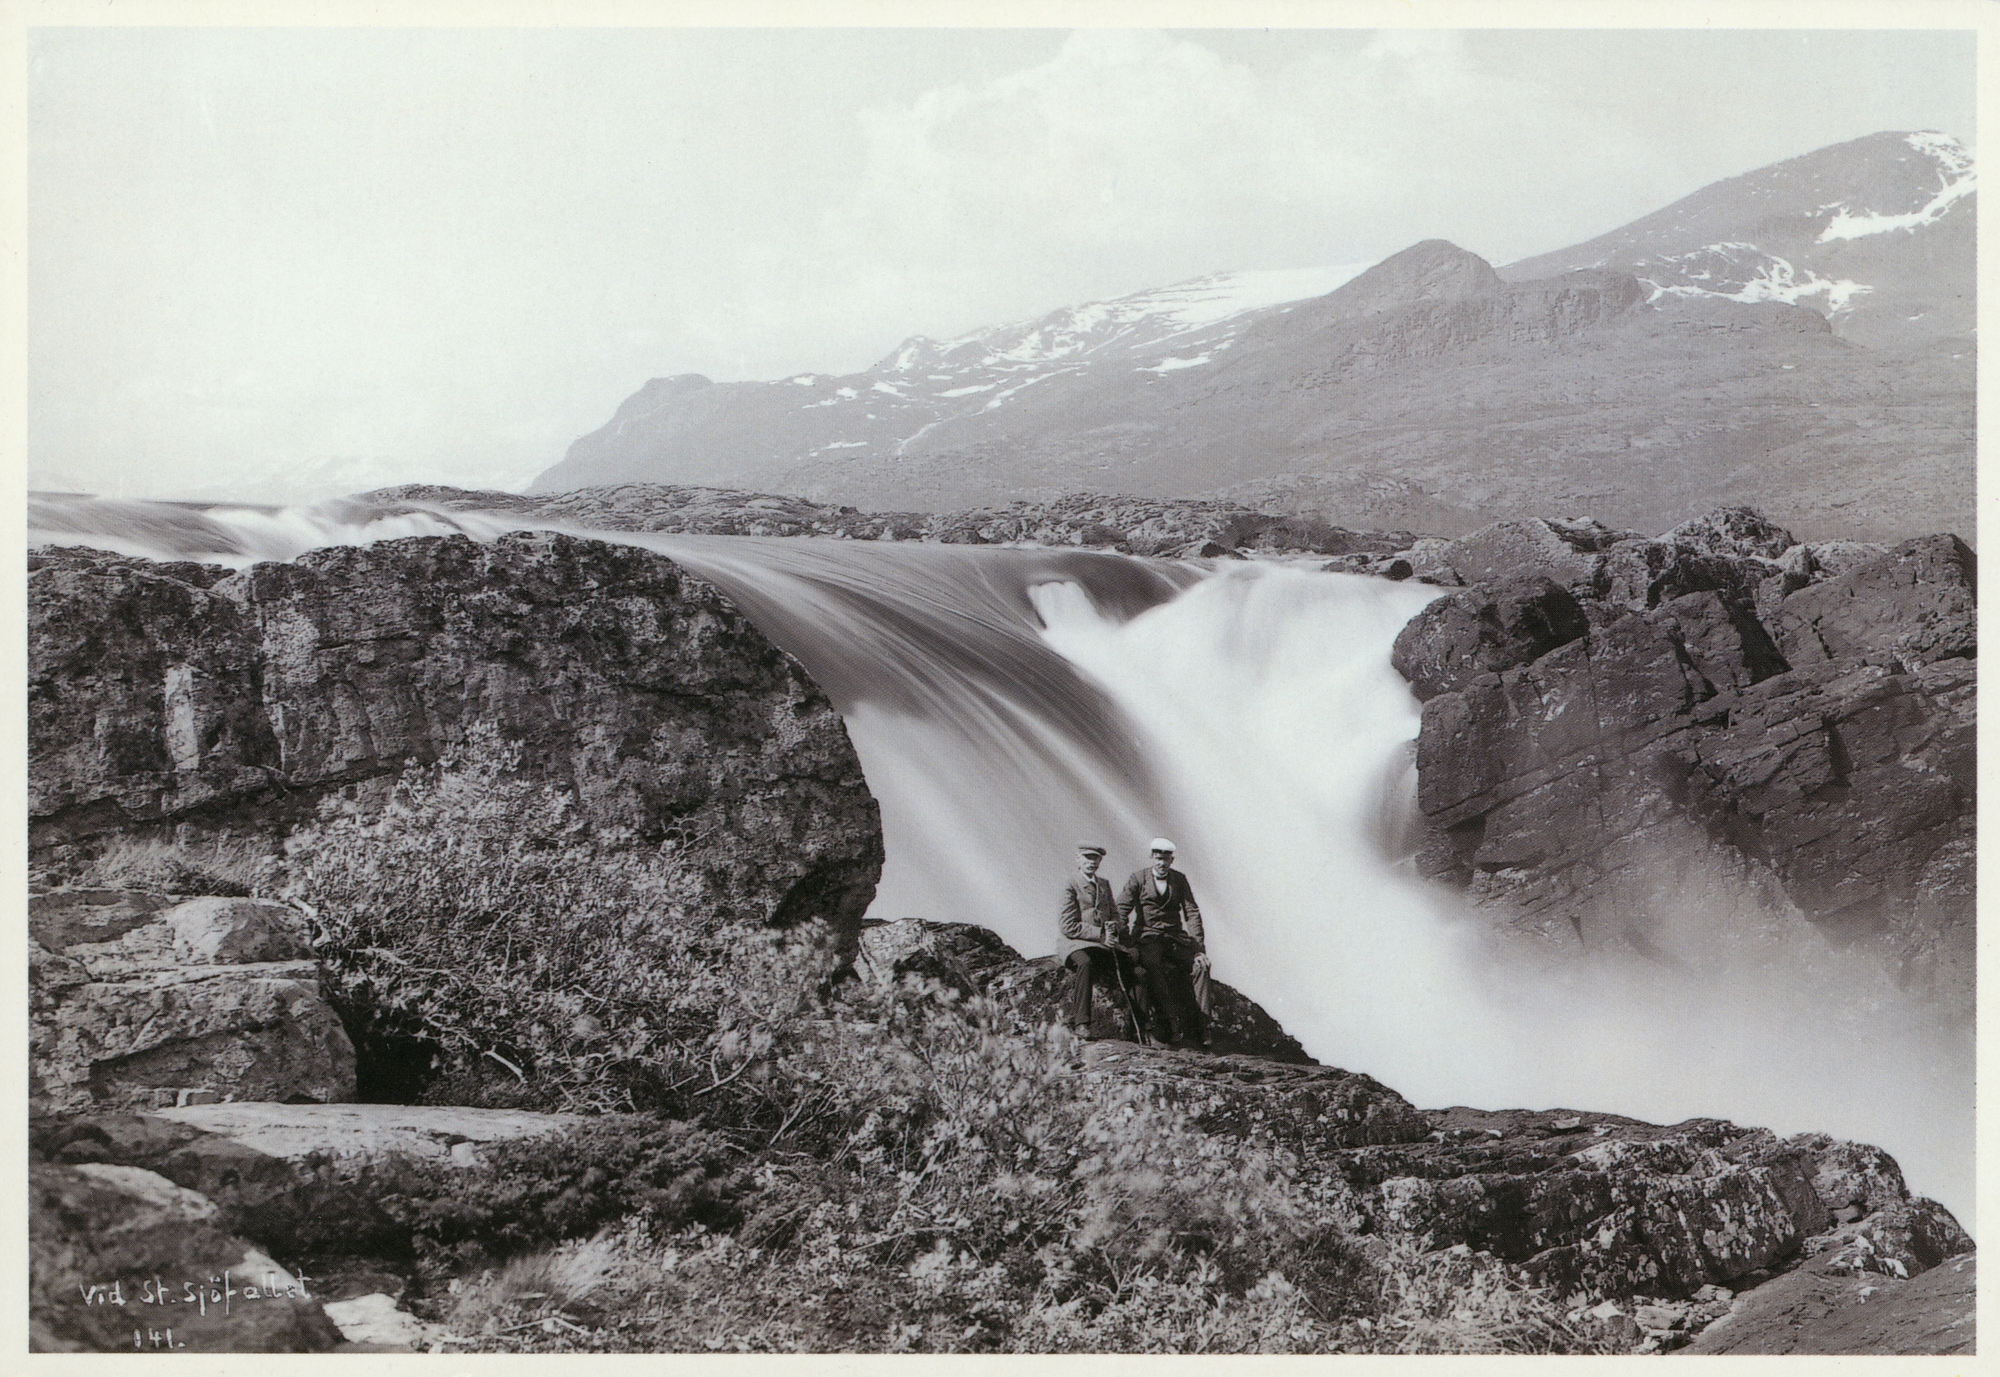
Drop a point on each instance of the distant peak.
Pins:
(1433, 270)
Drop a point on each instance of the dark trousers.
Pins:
(1169, 979)
(1102, 966)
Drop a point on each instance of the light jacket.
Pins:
(1172, 913)
(1090, 915)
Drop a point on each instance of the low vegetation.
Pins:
(784, 1160)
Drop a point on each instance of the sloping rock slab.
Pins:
(1309, 1110)
(354, 1136)
(1621, 1208)
(1812, 1311)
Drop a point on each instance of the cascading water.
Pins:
(1008, 702)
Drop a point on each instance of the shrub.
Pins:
(478, 922)
(532, 1192)
(1459, 1301)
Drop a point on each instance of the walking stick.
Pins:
(1131, 1009)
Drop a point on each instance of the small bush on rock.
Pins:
(532, 1192)
(229, 867)
(478, 921)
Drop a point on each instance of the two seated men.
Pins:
(1146, 941)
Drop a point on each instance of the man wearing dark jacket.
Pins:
(1164, 921)
(1093, 938)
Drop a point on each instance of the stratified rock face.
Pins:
(136, 1000)
(623, 678)
(1724, 691)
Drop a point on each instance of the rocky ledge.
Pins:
(1701, 1235)
(139, 1001)
(1668, 1228)
(1169, 527)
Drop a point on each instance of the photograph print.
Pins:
(1000, 690)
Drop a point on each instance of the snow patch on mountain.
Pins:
(1958, 182)
(1169, 365)
(1140, 321)
(1743, 272)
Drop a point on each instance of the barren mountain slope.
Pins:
(1877, 233)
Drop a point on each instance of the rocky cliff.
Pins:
(1615, 726)
(165, 695)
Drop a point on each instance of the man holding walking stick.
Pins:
(1094, 945)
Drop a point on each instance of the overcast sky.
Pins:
(264, 261)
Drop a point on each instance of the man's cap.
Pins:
(1162, 844)
(1092, 847)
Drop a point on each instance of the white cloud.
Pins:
(1131, 159)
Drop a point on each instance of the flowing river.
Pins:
(1007, 703)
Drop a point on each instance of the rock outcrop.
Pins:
(1599, 707)
(141, 1000)
(972, 960)
(163, 695)
(1818, 1309)
(128, 1201)
(120, 1259)
(1674, 1220)
(1658, 1229)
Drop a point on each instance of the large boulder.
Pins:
(250, 702)
(122, 1260)
(1485, 630)
(1918, 603)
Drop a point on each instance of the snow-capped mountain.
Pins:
(1860, 231)
(926, 383)
(1799, 337)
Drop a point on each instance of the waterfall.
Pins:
(1007, 703)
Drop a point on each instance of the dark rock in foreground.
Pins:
(1660, 1229)
(123, 1260)
(1816, 1309)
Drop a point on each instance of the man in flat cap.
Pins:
(1093, 940)
(1164, 922)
